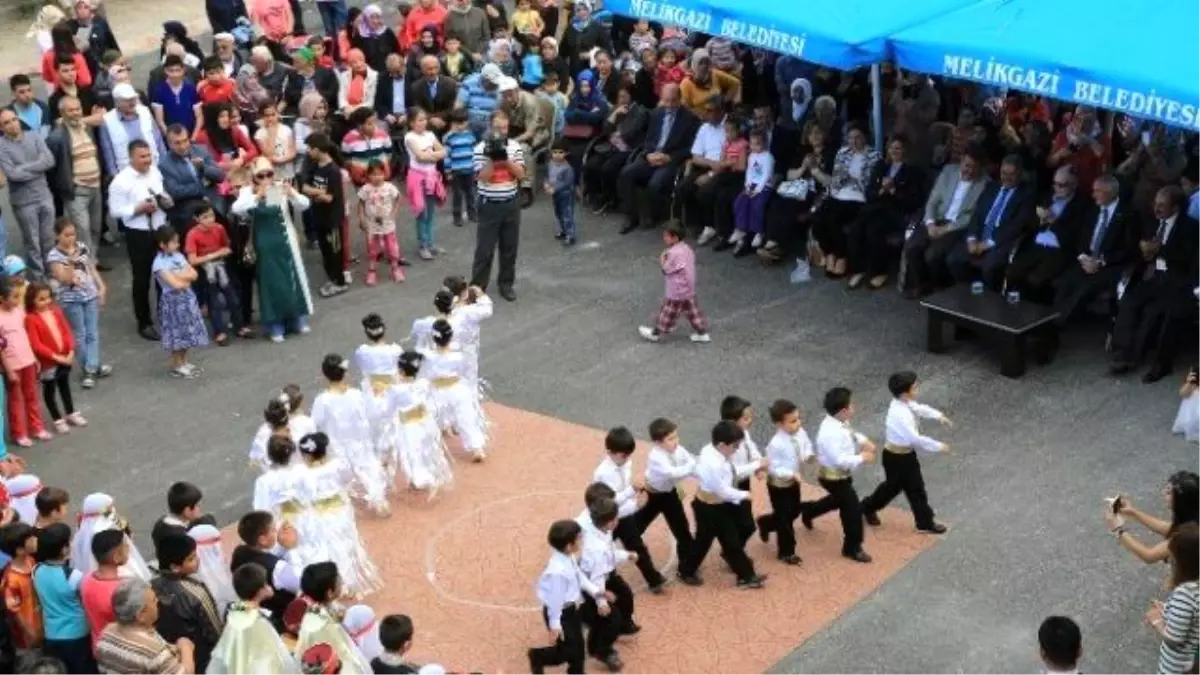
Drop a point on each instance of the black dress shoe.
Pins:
(872, 518)
(613, 663)
(508, 294)
(629, 226)
(754, 582)
(689, 580)
(535, 664)
(723, 245)
(631, 628)
(1156, 373)
(791, 560)
(101, 267)
(936, 528)
(149, 333)
(657, 588)
(1120, 367)
(858, 556)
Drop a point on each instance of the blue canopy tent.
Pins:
(1107, 54)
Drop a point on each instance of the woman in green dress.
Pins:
(284, 302)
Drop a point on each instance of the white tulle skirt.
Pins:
(421, 452)
(310, 547)
(458, 408)
(370, 479)
(1187, 420)
(337, 532)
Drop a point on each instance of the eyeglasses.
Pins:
(265, 174)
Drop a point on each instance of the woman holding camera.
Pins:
(1182, 494)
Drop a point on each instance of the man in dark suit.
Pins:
(1106, 245)
(305, 74)
(781, 142)
(1160, 277)
(1045, 253)
(1005, 211)
(667, 146)
(894, 193)
(435, 93)
(393, 95)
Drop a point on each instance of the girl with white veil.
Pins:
(422, 329)
(96, 514)
(456, 406)
(471, 307)
(361, 624)
(420, 449)
(22, 493)
(214, 568)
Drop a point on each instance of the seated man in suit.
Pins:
(1040, 259)
(436, 94)
(392, 96)
(1163, 275)
(948, 211)
(1105, 246)
(667, 146)
(1005, 211)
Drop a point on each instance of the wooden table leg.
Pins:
(935, 339)
(1012, 357)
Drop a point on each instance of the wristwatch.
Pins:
(1118, 531)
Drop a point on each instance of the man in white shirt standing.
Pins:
(901, 467)
(840, 450)
(717, 505)
(136, 197)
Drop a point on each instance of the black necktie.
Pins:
(1162, 231)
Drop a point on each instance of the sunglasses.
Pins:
(265, 174)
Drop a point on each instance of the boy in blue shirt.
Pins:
(68, 637)
(460, 167)
(560, 184)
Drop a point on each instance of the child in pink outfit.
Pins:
(678, 263)
(378, 207)
(20, 369)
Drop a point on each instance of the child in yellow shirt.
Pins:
(527, 20)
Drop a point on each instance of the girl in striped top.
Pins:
(1176, 620)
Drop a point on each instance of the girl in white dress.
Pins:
(471, 306)
(299, 423)
(422, 329)
(457, 407)
(214, 568)
(326, 482)
(421, 452)
(276, 422)
(97, 514)
(343, 414)
(376, 361)
(1187, 420)
(281, 491)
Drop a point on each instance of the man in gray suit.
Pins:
(948, 212)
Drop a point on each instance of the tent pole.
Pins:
(877, 106)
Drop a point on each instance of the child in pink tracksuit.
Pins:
(678, 263)
(378, 207)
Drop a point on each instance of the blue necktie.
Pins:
(668, 120)
(432, 90)
(997, 212)
(1098, 235)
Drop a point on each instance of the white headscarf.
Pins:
(97, 514)
(362, 626)
(800, 109)
(214, 568)
(22, 491)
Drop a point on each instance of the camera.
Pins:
(495, 148)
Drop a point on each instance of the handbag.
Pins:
(249, 255)
(578, 131)
(794, 189)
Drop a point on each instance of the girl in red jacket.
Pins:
(54, 346)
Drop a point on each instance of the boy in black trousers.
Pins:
(561, 592)
(609, 615)
(616, 471)
(666, 466)
(788, 449)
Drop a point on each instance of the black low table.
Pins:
(1010, 325)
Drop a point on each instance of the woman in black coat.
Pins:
(582, 36)
(374, 39)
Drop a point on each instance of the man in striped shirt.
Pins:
(131, 644)
(500, 166)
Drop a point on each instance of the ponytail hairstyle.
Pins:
(276, 413)
(374, 327)
(295, 397)
(442, 332)
(314, 446)
(334, 367)
(410, 363)
(443, 301)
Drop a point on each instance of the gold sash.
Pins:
(380, 383)
(777, 482)
(331, 503)
(833, 474)
(414, 414)
(707, 497)
(445, 382)
(897, 449)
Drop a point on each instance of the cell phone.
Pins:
(1145, 138)
(1116, 503)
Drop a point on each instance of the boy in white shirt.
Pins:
(667, 465)
(616, 471)
(840, 450)
(737, 410)
(610, 616)
(901, 467)
(561, 590)
(788, 449)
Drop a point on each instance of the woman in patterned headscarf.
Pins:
(374, 38)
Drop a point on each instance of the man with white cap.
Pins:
(480, 95)
(225, 49)
(526, 124)
(127, 122)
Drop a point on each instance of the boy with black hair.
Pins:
(183, 512)
(318, 619)
(611, 615)
(396, 636)
(53, 506)
(666, 466)
(186, 608)
(717, 508)
(616, 471)
(561, 589)
(840, 450)
(18, 541)
(249, 643)
(788, 449)
(739, 411)
(208, 247)
(67, 636)
(460, 167)
(902, 469)
(266, 547)
(110, 548)
(560, 185)
(1061, 644)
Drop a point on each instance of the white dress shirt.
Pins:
(786, 452)
(559, 586)
(130, 189)
(837, 445)
(619, 478)
(718, 475)
(709, 141)
(747, 453)
(902, 428)
(599, 556)
(665, 469)
(956, 200)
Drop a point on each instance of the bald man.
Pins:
(668, 145)
(435, 93)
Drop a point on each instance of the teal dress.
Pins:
(283, 294)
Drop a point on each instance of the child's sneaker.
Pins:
(62, 427)
(75, 419)
(24, 442)
(560, 235)
(89, 381)
(425, 254)
(325, 290)
(648, 333)
(569, 241)
(397, 275)
(706, 236)
(370, 279)
(704, 338)
(43, 435)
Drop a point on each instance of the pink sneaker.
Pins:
(24, 442)
(397, 275)
(75, 419)
(62, 427)
(370, 280)
(43, 435)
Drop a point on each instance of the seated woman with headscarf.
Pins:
(374, 38)
(583, 35)
(625, 130)
(705, 82)
(586, 110)
(428, 43)
(608, 80)
(249, 94)
(356, 84)
(500, 52)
